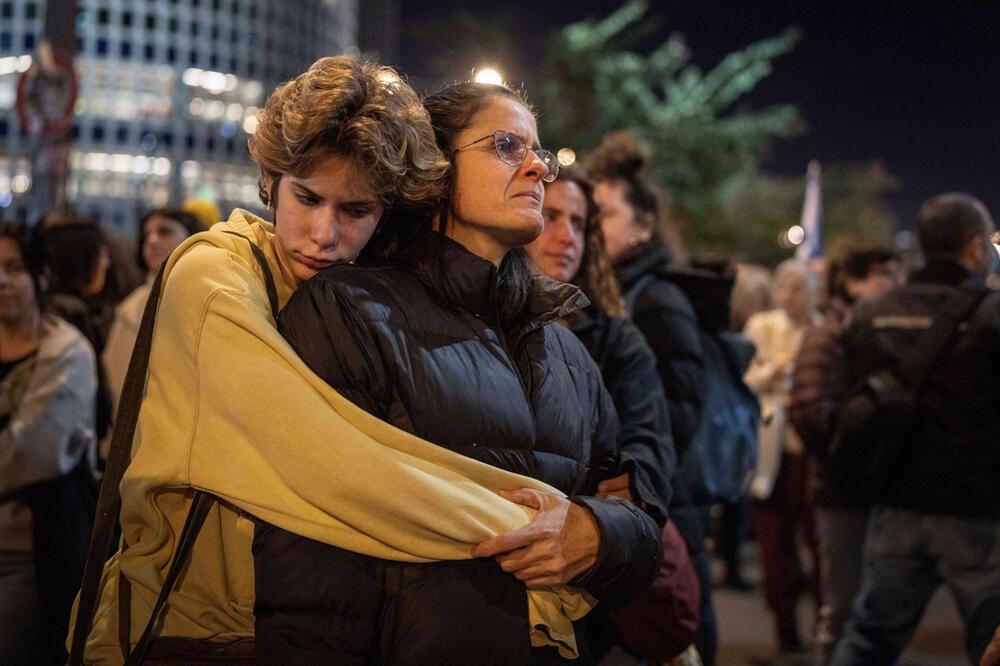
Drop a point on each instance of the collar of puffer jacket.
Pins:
(469, 282)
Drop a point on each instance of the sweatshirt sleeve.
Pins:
(272, 438)
(45, 436)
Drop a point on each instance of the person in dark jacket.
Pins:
(936, 517)
(445, 333)
(571, 249)
(676, 327)
(860, 273)
(79, 261)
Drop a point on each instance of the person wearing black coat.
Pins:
(654, 291)
(935, 517)
(571, 249)
(447, 335)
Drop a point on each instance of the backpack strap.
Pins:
(931, 345)
(109, 502)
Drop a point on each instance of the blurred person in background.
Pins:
(683, 312)
(204, 210)
(571, 249)
(48, 383)
(859, 273)
(160, 232)
(751, 294)
(780, 509)
(935, 516)
(78, 265)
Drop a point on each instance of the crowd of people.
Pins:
(455, 403)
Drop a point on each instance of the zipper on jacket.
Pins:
(502, 339)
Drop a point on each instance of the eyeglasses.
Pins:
(512, 150)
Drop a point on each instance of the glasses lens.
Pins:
(509, 147)
(551, 163)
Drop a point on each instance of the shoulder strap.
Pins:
(931, 345)
(119, 455)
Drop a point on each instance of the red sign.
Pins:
(46, 94)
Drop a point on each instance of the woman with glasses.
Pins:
(447, 334)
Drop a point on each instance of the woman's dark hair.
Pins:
(178, 215)
(855, 261)
(451, 111)
(77, 242)
(31, 245)
(621, 158)
(596, 277)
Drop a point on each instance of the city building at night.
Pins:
(168, 93)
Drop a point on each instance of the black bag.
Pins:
(150, 649)
(872, 427)
(62, 515)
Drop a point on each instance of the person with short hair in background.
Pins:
(936, 515)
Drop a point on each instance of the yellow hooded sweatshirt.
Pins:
(230, 409)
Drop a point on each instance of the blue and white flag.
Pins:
(812, 216)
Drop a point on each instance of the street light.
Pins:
(566, 156)
(796, 234)
(488, 75)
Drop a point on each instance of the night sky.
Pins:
(914, 84)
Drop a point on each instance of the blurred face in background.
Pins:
(324, 218)
(17, 291)
(160, 236)
(558, 251)
(881, 278)
(622, 226)
(792, 295)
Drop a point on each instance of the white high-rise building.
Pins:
(168, 91)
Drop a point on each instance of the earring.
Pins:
(634, 241)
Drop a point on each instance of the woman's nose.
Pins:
(533, 167)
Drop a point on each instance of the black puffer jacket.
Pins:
(418, 343)
(628, 368)
(952, 452)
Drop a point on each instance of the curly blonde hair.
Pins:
(363, 111)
